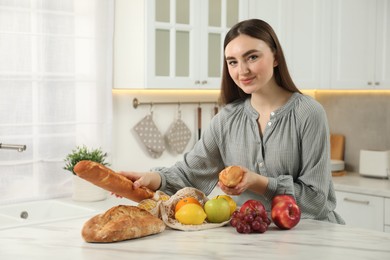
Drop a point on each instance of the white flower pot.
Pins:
(86, 191)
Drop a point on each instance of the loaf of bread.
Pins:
(107, 179)
(121, 223)
(231, 176)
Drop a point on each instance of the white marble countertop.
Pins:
(353, 182)
(309, 240)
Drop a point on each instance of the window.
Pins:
(55, 90)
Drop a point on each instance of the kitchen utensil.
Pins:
(215, 110)
(337, 165)
(199, 121)
(337, 146)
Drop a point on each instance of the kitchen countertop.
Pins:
(353, 182)
(321, 240)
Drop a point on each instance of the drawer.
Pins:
(387, 229)
(361, 210)
(387, 212)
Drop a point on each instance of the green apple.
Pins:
(217, 210)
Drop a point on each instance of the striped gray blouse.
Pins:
(294, 153)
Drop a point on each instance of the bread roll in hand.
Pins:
(231, 176)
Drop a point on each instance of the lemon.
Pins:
(191, 214)
(232, 203)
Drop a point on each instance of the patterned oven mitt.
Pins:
(177, 136)
(150, 136)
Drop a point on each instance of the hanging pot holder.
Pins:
(178, 135)
(150, 136)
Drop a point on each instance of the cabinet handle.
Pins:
(369, 83)
(365, 202)
(197, 82)
(204, 82)
(377, 83)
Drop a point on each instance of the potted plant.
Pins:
(82, 189)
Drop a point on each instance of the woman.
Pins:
(279, 136)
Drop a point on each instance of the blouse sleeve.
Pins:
(199, 167)
(312, 184)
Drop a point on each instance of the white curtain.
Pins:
(55, 91)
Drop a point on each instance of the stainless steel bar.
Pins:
(365, 202)
(19, 148)
(137, 103)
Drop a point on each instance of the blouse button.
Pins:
(269, 123)
(272, 113)
(261, 164)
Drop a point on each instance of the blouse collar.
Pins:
(251, 112)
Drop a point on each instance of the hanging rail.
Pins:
(137, 103)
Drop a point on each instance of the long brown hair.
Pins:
(261, 30)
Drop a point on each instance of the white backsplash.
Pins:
(362, 117)
(129, 154)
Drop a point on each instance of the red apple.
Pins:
(253, 206)
(282, 197)
(285, 214)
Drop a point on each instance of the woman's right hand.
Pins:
(151, 180)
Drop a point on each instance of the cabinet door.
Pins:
(185, 41)
(361, 210)
(171, 30)
(306, 40)
(129, 44)
(303, 34)
(221, 15)
(387, 215)
(387, 229)
(353, 44)
(382, 71)
(387, 212)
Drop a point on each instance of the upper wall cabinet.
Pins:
(360, 44)
(337, 44)
(172, 44)
(304, 35)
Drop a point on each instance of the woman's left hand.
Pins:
(250, 180)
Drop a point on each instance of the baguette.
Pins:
(231, 176)
(107, 179)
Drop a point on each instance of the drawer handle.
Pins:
(365, 202)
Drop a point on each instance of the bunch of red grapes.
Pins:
(250, 222)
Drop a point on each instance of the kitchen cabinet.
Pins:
(360, 210)
(165, 44)
(338, 44)
(360, 44)
(303, 33)
(169, 44)
(387, 215)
